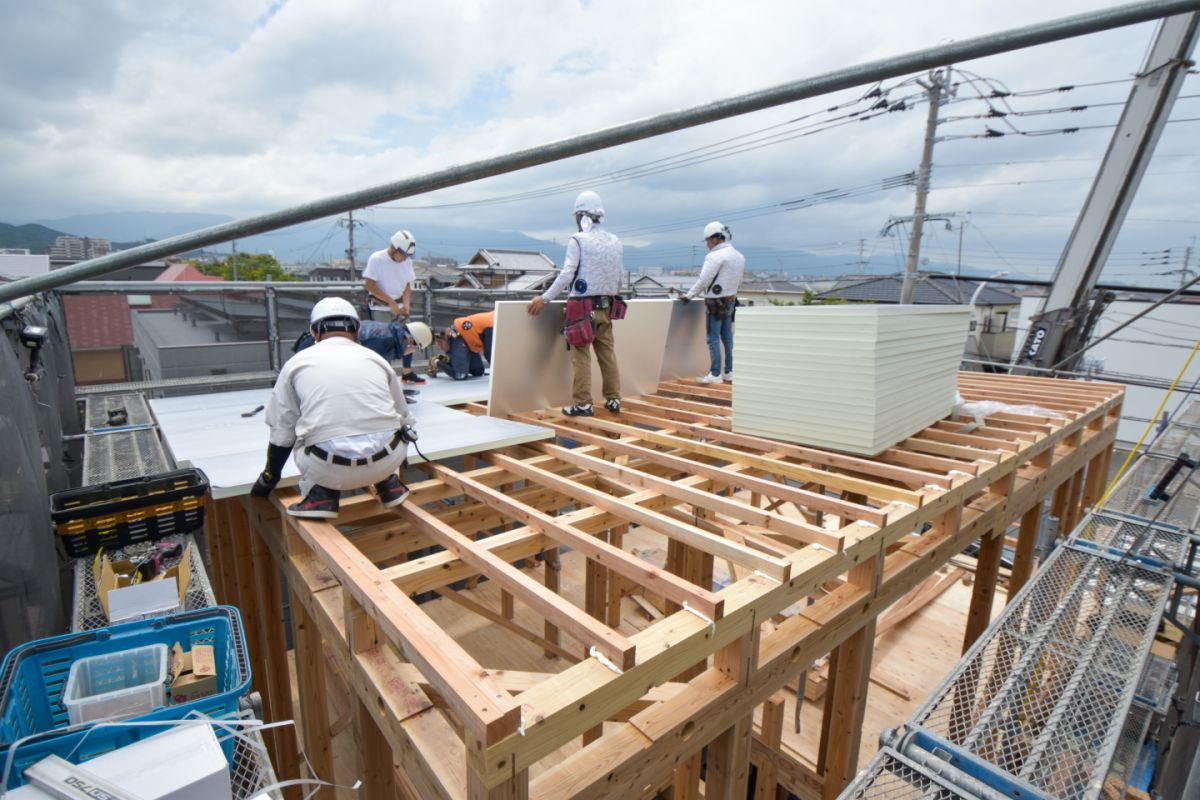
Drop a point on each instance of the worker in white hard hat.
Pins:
(339, 409)
(718, 284)
(593, 268)
(388, 279)
(391, 340)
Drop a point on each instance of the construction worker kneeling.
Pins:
(467, 343)
(339, 409)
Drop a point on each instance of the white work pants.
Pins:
(315, 471)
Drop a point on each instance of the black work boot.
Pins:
(319, 503)
(392, 491)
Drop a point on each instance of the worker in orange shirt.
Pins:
(468, 342)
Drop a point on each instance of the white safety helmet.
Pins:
(333, 314)
(405, 242)
(420, 333)
(589, 203)
(717, 229)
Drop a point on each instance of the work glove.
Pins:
(277, 456)
(683, 298)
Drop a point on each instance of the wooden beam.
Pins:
(614, 558)
(723, 505)
(686, 466)
(631, 512)
(551, 606)
(486, 710)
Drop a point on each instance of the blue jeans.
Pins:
(720, 331)
(462, 361)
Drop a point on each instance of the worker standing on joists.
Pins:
(340, 410)
(719, 280)
(388, 279)
(594, 266)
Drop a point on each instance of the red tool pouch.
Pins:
(618, 308)
(578, 327)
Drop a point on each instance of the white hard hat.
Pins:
(588, 203)
(405, 242)
(420, 333)
(717, 229)
(331, 308)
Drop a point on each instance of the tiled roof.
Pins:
(929, 290)
(184, 271)
(98, 320)
(520, 260)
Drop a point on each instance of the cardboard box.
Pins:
(192, 674)
(183, 763)
(124, 600)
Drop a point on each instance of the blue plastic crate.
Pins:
(33, 676)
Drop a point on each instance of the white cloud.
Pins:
(244, 108)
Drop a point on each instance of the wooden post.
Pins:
(277, 679)
(310, 672)
(1031, 523)
(983, 593)
(849, 703)
(1073, 507)
(377, 770)
(516, 788)
(728, 774)
(766, 781)
(212, 539)
(687, 779)
(552, 569)
(1097, 478)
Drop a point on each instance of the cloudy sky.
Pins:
(240, 107)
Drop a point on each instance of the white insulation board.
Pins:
(208, 432)
(856, 378)
(531, 366)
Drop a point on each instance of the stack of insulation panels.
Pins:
(857, 378)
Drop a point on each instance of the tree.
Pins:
(251, 267)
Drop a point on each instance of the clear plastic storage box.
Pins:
(117, 685)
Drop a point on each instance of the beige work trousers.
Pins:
(581, 362)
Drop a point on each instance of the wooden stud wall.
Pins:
(785, 520)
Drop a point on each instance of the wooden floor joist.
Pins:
(651, 500)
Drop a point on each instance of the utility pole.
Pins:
(350, 226)
(1183, 273)
(958, 270)
(233, 244)
(862, 246)
(938, 82)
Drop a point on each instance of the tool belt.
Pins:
(719, 307)
(341, 461)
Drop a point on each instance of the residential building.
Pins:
(79, 248)
(15, 265)
(993, 322)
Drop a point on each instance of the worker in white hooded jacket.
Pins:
(594, 268)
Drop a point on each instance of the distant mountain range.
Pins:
(323, 240)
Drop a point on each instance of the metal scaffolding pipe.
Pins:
(917, 61)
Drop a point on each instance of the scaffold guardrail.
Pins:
(1056, 695)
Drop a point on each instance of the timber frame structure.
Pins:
(790, 521)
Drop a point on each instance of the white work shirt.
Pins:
(600, 259)
(391, 277)
(333, 389)
(723, 269)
